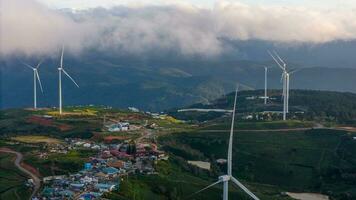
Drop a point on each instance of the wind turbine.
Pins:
(36, 77)
(266, 83)
(60, 70)
(285, 78)
(228, 177)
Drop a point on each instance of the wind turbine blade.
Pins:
(296, 70)
(39, 80)
(239, 184)
(229, 154)
(275, 60)
(70, 77)
(279, 57)
(62, 57)
(29, 66)
(207, 187)
(38, 65)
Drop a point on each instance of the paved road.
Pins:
(258, 130)
(282, 130)
(17, 162)
(204, 110)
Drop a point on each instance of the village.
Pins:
(103, 172)
(113, 159)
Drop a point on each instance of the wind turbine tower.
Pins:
(36, 77)
(266, 86)
(225, 179)
(60, 71)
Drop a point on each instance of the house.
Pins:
(87, 180)
(221, 161)
(51, 178)
(76, 186)
(248, 117)
(120, 126)
(100, 175)
(110, 171)
(96, 147)
(133, 109)
(128, 165)
(103, 187)
(106, 154)
(117, 164)
(87, 145)
(79, 143)
(88, 166)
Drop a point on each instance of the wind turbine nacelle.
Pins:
(224, 178)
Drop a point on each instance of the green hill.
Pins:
(320, 161)
(335, 107)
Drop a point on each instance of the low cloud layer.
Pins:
(30, 28)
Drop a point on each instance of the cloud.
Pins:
(31, 28)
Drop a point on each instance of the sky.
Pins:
(83, 4)
(187, 27)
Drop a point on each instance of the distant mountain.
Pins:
(156, 83)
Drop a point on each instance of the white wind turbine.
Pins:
(60, 70)
(285, 77)
(228, 177)
(265, 97)
(36, 77)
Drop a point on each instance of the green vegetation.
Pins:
(36, 139)
(12, 181)
(313, 160)
(178, 180)
(59, 164)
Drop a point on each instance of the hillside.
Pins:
(270, 157)
(316, 161)
(323, 106)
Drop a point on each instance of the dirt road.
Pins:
(19, 157)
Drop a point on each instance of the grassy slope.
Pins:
(293, 161)
(11, 180)
(174, 182)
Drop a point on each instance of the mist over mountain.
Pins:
(159, 82)
(157, 57)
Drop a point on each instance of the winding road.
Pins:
(19, 157)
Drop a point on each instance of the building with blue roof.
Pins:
(110, 170)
